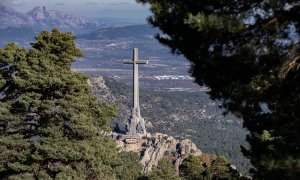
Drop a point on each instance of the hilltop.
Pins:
(181, 115)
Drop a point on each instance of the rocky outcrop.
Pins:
(101, 90)
(153, 148)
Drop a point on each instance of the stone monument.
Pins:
(136, 124)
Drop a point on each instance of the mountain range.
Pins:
(42, 18)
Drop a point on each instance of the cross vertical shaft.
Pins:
(136, 97)
(136, 124)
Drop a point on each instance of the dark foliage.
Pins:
(248, 53)
(194, 168)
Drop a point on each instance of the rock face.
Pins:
(153, 148)
(101, 90)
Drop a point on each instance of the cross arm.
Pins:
(142, 62)
(127, 61)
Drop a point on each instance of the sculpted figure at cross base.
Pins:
(136, 124)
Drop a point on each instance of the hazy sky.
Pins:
(89, 8)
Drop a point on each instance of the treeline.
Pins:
(196, 168)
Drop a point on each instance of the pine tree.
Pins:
(220, 169)
(52, 123)
(248, 54)
(192, 169)
(165, 170)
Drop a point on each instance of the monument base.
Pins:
(136, 126)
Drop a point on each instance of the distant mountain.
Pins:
(9, 17)
(41, 18)
(46, 19)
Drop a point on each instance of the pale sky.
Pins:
(128, 9)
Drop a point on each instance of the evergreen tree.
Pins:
(50, 122)
(165, 170)
(131, 168)
(220, 169)
(191, 168)
(248, 53)
(194, 169)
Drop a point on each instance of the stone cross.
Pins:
(136, 125)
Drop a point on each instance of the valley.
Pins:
(105, 49)
(104, 52)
